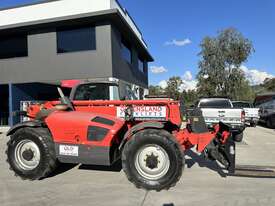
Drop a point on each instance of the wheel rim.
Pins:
(27, 155)
(152, 162)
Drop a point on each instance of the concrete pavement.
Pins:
(201, 184)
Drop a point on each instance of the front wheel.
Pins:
(153, 160)
(31, 153)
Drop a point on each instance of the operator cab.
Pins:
(95, 91)
(102, 90)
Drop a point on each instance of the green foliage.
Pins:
(220, 73)
(269, 85)
(173, 87)
(189, 97)
(173, 91)
(155, 90)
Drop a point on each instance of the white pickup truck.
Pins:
(215, 110)
(251, 113)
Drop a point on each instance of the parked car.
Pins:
(215, 110)
(251, 113)
(266, 103)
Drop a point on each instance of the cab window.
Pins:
(92, 92)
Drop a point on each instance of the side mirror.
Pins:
(192, 106)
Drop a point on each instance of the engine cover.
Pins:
(84, 137)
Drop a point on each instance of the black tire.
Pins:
(164, 140)
(269, 123)
(42, 138)
(238, 137)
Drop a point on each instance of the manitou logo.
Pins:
(144, 112)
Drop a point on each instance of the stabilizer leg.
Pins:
(230, 150)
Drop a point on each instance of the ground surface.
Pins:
(201, 183)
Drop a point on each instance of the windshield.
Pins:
(241, 105)
(92, 92)
(215, 103)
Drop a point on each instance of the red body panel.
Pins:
(110, 107)
(74, 130)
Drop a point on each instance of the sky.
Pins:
(174, 29)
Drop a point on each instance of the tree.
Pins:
(173, 87)
(155, 90)
(222, 56)
(269, 84)
(189, 97)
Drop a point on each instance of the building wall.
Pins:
(50, 10)
(43, 64)
(122, 69)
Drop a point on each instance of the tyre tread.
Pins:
(166, 137)
(48, 144)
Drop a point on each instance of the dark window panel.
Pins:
(77, 39)
(126, 51)
(92, 92)
(215, 103)
(12, 47)
(141, 65)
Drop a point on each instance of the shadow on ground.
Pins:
(202, 162)
(249, 171)
(62, 168)
(117, 167)
(261, 124)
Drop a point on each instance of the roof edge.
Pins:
(27, 4)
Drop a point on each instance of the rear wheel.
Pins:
(238, 137)
(31, 153)
(153, 160)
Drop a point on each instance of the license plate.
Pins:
(145, 112)
(68, 150)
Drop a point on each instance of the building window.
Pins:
(77, 39)
(141, 65)
(12, 47)
(126, 51)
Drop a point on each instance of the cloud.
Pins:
(187, 76)
(163, 84)
(158, 69)
(254, 76)
(188, 83)
(176, 42)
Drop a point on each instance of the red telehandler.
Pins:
(146, 135)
